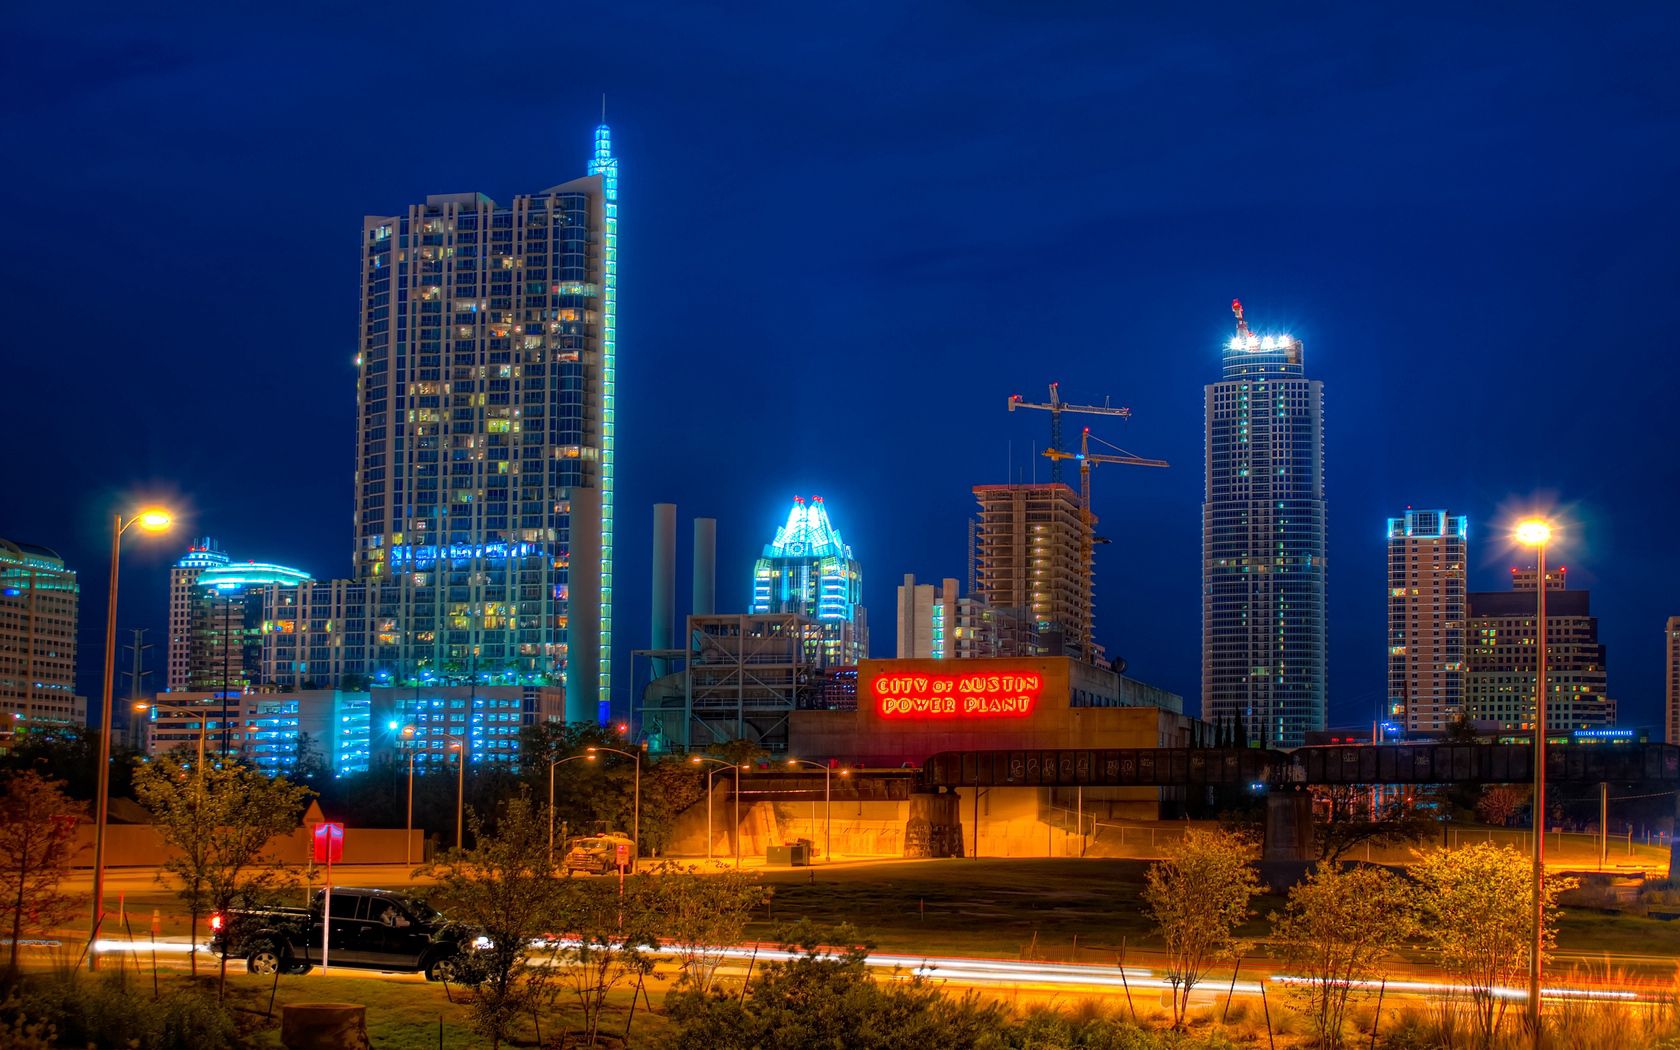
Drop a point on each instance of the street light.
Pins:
(1537, 533)
(636, 833)
(408, 832)
(150, 519)
(460, 786)
(828, 804)
(551, 765)
(701, 759)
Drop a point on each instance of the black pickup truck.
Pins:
(370, 929)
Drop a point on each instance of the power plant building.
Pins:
(1264, 543)
(1427, 613)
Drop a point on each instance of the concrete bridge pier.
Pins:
(935, 825)
(1289, 829)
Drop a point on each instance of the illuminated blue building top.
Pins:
(237, 577)
(807, 569)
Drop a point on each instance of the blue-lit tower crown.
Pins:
(809, 570)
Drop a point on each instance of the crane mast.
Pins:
(1088, 459)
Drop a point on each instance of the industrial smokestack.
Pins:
(705, 566)
(664, 580)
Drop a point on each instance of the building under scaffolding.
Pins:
(739, 678)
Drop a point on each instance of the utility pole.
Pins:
(136, 687)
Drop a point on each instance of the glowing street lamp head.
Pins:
(154, 519)
(1533, 532)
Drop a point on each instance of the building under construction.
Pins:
(1032, 565)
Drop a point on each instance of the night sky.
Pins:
(849, 232)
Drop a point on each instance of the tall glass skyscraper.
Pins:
(484, 516)
(1263, 542)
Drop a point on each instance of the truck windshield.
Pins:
(421, 911)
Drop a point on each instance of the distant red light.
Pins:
(216, 922)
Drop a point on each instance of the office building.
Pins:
(224, 624)
(1427, 609)
(295, 733)
(1500, 685)
(807, 570)
(183, 592)
(1264, 629)
(1032, 570)
(38, 607)
(1671, 711)
(940, 623)
(485, 444)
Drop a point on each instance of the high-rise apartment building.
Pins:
(485, 444)
(1671, 711)
(807, 569)
(1264, 547)
(38, 606)
(314, 635)
(1032, 569)
(941, 623)
(1427, 609)
(1500, 686)
(183, 594)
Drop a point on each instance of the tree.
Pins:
(668, 788)
(1198, 896)
(1477, 908)
(610, 931)
(220, 819)
(311, 763)
(37, 836)
(1500, 802)
(503, 888)
(701, 915)
(738, 752)
(1338, 927)
(1352, 821)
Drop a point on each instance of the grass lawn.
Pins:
(403, 1013)
(1019, 907)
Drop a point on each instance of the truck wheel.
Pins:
(263, 959)
(446, 968)
(296, 969)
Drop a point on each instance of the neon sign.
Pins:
(1007, 695)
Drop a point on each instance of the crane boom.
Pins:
(1056, 406)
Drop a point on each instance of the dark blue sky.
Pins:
(849, 233)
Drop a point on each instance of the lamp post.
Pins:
(459, 744)
(150, 520)
(551, 765)
(828, 803)
(408, 828)
(702, 759)
(1536, 533)
(636, 832)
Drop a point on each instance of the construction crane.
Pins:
(1056, 406)
(1087, 459)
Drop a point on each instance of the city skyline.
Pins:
(1355, 267)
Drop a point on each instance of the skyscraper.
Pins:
(1264, 637)
(485, 444)
(1426, 619)
(38, 607)
(183, 592)
(1031, 569)
(1671, 710)
(224, 625)
(808, 569)
(1500, 687)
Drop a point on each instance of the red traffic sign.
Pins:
(329, 843)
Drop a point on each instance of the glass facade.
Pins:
(1264, 543)
(809, 570)
(484, 447)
